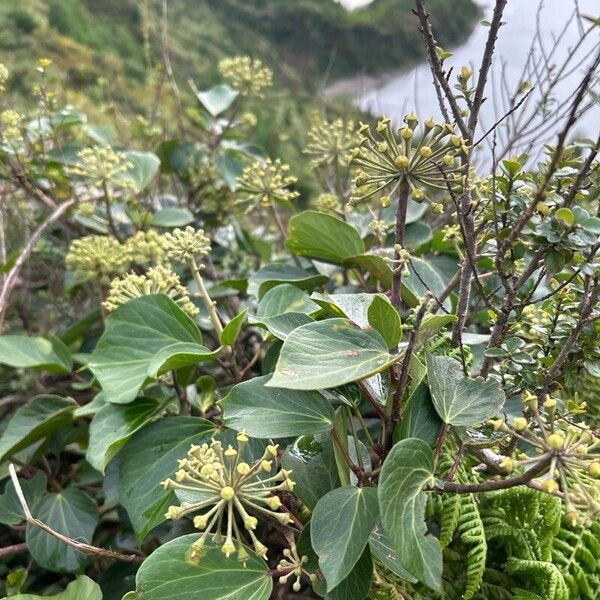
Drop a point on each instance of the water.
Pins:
(402, 92)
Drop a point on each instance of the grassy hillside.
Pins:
(119, 41)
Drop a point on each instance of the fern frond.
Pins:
(470, 528)
(449, 518)
(545, 573)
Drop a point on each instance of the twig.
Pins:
(80, 546)
(14, 549)
(11, 278)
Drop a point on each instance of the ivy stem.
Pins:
(281, 229)
(208, 302)
(111, 222)
(399, 230)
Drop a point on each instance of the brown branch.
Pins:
(80, 546)
(496, 484)
(14, 549)
(11, 278)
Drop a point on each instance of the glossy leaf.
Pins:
(329, 353)
(34, 421)
(285, 298)
(419, 418)
(407, 468)
(74, 514)
(282, 325)
(166, 574)
(21, 351)
(135, 333)
(384, 318)
(457, 399)
(172, 217)
(356, 586)
(275, 274)
(177, 356)
(266, 412)
(323, 237)
(341, 525)
(149, 458)
(422, 277)
(382, 549)
(11, 512)
(144, 170)
(312, 460)
(114, 424)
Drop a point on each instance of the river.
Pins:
(397, 93)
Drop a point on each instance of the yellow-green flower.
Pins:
(157, 280)
(327, 203)
(101, 165)
(228, 488)
(425, 159)
(96, 257)
(249, 76)
(329, 142)
(145, 247)
(4, 74)
(262, 184)
(10, 124)
(183, 245)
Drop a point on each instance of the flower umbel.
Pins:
(249, 76)
(228, 487)
(102, 164)
(330, 141)
(262, 184)
(183, 245)
(327, 203)
(425, 160)
(293, 565)
(96, 257)
(145, 247)
(157, 280)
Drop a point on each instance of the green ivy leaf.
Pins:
(282, 325)
(83, 588)
(384, 318)
(166, 574)
(352, 306)
(114, 424)
(329, 353)
(419, 418)
(356, 586)
(233, 328)
(172, 217)
(11, 512)
(285, 298)
(407, 468)
(323, 237)
(177, 356)
(74, 514)
(422, 277)
(312, 460)
(274, 412)
(145, 168)
(23, 352)
(275, 274)
(135, 333)
(457, 399)
(382, 549)
(34, 421)
(217, 99)
(149, 458)
(430, 325)
(341, 525)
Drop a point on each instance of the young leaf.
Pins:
(383, 317)
(340, 528)
(114, 424)
(166, 574)
(407, 468)
(457, 399)
(274, 412)
(74, 514)
(34, 421)
(217, 99)
(149, 458)
(323, 237)
(24, 352)
(134, 334)
(233, 328)
(83, 588)
(329, 353)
